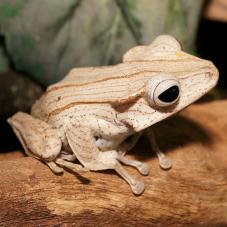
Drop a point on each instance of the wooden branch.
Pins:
(192, 193)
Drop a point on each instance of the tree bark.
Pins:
(192, 193)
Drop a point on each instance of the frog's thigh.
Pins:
(38, 139)
(82, 143)
(164, 162)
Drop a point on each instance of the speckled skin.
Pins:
(90, 113)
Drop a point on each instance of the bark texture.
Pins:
(192, 193)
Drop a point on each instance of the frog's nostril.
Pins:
(170, 95)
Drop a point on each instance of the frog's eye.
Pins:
(163, 91)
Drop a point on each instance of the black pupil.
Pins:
(170, 94)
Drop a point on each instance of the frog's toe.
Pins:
(55, 168)
(165, 163)
(138, 187)
(144, 169)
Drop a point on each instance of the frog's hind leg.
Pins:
(82, 142)
(164, 162)
(38, 139)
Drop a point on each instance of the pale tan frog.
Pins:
(95, 114)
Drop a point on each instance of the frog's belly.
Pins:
(123, 144)
(101, 143)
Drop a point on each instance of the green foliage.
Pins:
(176, 20)
(3, 61)
(106, 39)
(28, 45)
(68, 15)
(10, 10)
(134, 25)
(46, 38)
(123, 19)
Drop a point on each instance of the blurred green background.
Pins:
(46, 38)
(40, 41)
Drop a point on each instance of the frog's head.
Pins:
(178, 79)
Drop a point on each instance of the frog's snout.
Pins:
(212, 72)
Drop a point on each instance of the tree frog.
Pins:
(90, 119)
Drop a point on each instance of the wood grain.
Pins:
(192, 193)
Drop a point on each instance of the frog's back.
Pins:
(90, 75)
(79, 95)
(109, 84)
(119, 83)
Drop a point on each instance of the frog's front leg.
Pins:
(143, 168)
(38, 139)
(129, 143)
(164, 162)
(113, 140)
(126, 146)
(83, 144)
